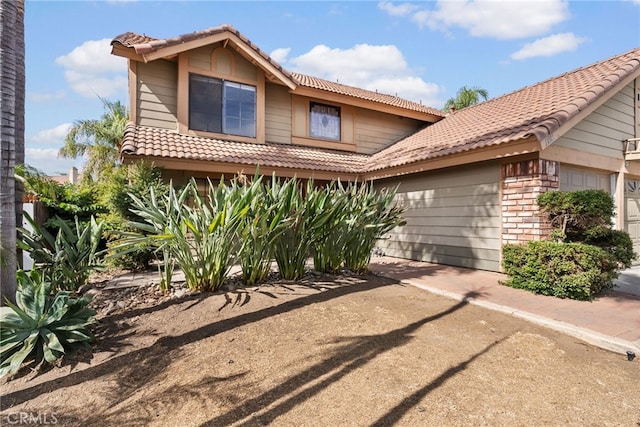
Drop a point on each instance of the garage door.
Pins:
(452, 218)
(573, 179)
(632, 212)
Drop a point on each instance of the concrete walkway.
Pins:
(611, 322)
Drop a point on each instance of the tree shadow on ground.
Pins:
(396, 413)
(407, 269)
(353, 353)
(158, 356)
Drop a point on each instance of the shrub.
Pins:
(40, 326)
(578, 215)
(565, 270)
(585, 216)
(66, 201)
(137, 179)
(618, 244)
(585, 256)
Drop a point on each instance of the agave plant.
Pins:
(68, 257)
(40, 326)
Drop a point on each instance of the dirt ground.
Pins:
(325, 351)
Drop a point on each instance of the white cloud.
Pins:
(382, 68)
(549, 46)
(52, 136)
(46, 160)
(41, 153)
(91, 69)
(359, 62)
(280, 55)
(45, 97)
(337, 9)
(408, 87)
(398, 10)
(504, 19)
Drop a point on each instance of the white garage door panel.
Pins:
(574, 179)
(632, 212)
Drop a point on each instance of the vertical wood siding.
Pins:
(453, 217)
(157, 94)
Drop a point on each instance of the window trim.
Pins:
(184, 68)
(225, 84)
(313, 104)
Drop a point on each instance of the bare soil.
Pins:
(324, 351)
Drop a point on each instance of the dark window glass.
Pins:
(222, 107)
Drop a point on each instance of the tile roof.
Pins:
(143, 44)
(537, 110)
(341, 89)
(148, 141)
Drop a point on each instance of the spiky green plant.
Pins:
(137, 178)
(304, 216)
(67, 258)
(40, 326)
(261, 227)
(328, 249)
(371, 214)
(290, 249)
(201, 236)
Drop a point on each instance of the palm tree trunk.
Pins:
(12, 91)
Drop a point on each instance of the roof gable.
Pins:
(149, 49)
(144, 48)
(541, 111)
(367, 95)
(537, 114)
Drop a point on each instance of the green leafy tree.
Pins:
(98, 140)
(66, 201)
(466, 97)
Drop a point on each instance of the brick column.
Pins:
(522, 183)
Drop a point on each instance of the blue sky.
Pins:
(424, 51)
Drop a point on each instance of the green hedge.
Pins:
(565, 270)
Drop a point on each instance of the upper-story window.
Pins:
(324, 121)
(221, 106)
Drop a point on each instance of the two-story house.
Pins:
(211, 103)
